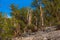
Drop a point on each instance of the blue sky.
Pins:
(5, 4)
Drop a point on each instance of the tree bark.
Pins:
(29, 16)
(41, 16)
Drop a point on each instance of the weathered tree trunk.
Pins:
(41, 16)
(29, 17)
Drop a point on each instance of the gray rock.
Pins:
(40, 35)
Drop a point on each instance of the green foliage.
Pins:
(51, 10)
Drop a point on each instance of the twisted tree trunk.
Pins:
(41, 16)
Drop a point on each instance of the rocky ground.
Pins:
(51, 34)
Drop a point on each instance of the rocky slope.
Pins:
(42, 35)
